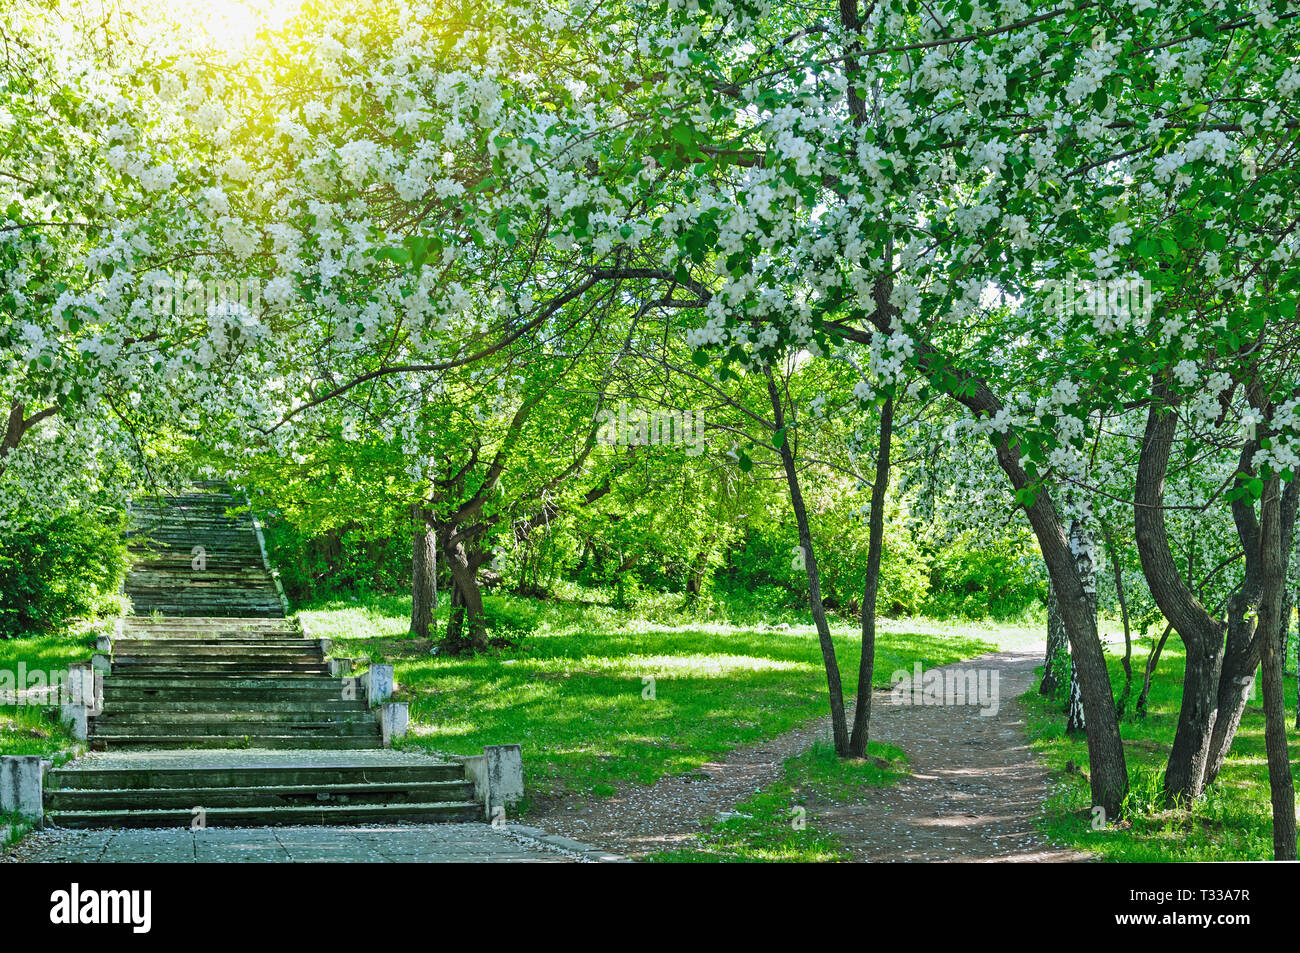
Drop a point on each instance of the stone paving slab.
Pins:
(414, 843)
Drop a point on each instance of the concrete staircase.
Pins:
(216, 666)
(233, 581)
(331, 791)
(207, 682)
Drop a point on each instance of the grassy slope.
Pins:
(573, 692)
(1232, 822)
(26, 729)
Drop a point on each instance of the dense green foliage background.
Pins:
(55, 571)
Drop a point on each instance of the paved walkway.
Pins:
(379, 843)
(416, 843)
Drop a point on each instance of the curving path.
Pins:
(974, 793)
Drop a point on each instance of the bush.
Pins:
(345, 561)
(67, 568)
(1001, 577)
(766, 560)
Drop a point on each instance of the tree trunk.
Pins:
(1270, 621)
(839, 722)
(1081, 544)
(455, 619)
(871, 586)
(1057, 644)
(466, 626)
(1127, 662)
(1201, 634)
(1244, 646)
(424, 574)
(695, 579)
(1153, 659)
(1108, 772)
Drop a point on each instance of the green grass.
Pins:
(598, 696)
(13, 828)
(27, 729)
(1233, 821)
(775, 826)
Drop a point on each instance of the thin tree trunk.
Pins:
(1153, 659)
(871, 586)
(1123, 611)
(455, 619)
(839, 722)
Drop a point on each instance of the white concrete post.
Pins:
(504, 766)
(20, 785)
(379, 684)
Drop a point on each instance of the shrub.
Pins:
(998, 577)
(347, 560)
(69, 567)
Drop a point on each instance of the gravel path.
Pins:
(973, 794)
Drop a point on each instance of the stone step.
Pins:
(162, 559)
(251, 645)
(309, 715)
(277, 816)
(140, 627)
(165, 561)
(300, 795)
(201, 655)
(176, 544)
(217, 574)
(317, 742)
(181, 669)
(212, 725)
(181, 531)
(223, 623)
(263, 611)
(192, 597)
(145, 681)
(165, 705)
(322, 772)
(181, 645)
(235, 698)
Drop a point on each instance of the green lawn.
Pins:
(26, 729)
(1231, 822)
(598, 696)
